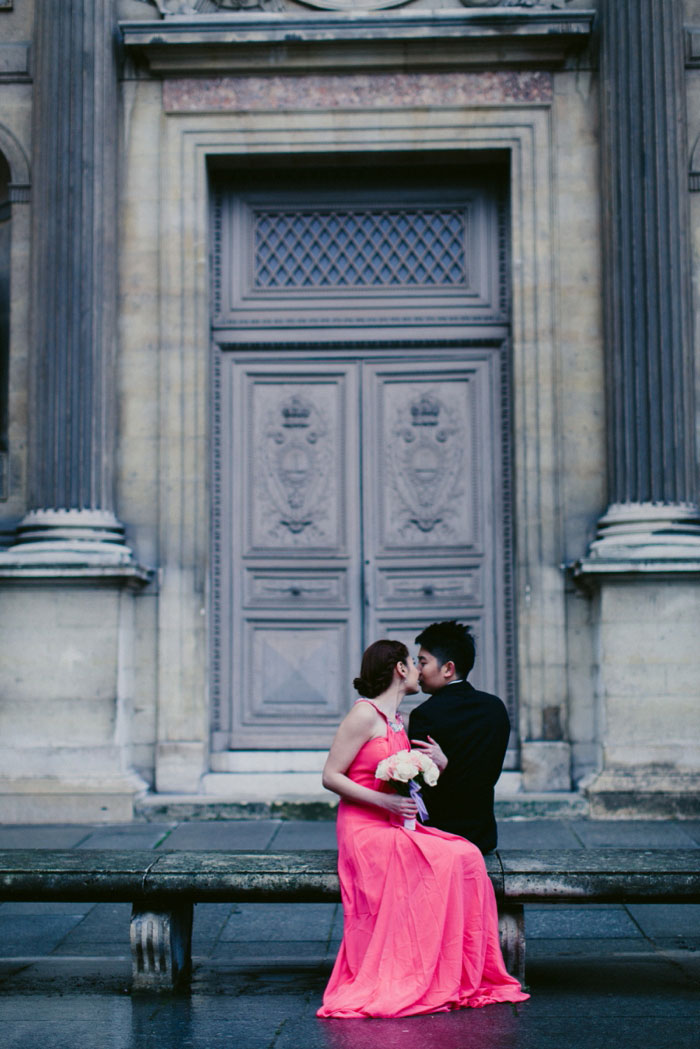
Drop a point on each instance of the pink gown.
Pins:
(420, 918)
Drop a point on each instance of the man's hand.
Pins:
(433, 750)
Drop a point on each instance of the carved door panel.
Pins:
(289, 477)
(433, 507)
(358, 500)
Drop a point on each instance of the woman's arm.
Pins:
(360, 725)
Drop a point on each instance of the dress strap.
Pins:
(362, 699)
(395, 726)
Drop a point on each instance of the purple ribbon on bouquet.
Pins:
(414, 791)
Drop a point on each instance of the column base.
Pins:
(644, 534)
(69, 537)
(546, 766)
(647, 679)
(55, 545)
(106, 799)
(180, 766)
(645, 794)
(67, 681)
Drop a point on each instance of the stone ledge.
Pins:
(591, 569)
(658, 794)
(278, 43)
(80, 571)
(659, 805)
(155, 807)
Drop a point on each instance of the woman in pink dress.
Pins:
(420, 918)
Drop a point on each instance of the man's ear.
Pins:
(448, 668)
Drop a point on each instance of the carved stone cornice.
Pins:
(248, 42)
(174, 8)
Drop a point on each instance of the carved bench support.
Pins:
(161, 945)
(511, 932)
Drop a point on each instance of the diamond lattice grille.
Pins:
(370, 247)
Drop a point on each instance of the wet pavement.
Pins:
(599, 975)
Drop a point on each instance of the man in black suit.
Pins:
(465, 731)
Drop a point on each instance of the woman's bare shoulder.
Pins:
(361, 716)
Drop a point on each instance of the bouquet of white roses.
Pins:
(408, 771)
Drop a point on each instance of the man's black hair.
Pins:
(450, 641)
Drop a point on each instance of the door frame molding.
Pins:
(187, 142)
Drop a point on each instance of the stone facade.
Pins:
(107, 611)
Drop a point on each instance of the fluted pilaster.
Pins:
(650, 398)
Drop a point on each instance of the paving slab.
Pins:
(242, 954)
(221, 834)
(259, 922)
(54, 977)
(537, 834)
(248, 1017)
(636, 834)
(49, 1034)
(666, 919)
(586, 922)
(636, 985)
(635, 1003)
(104, 923)
(301, 834)
(692, 827)
(92, 948)
(45, 907)
(127, 836)
(686, 961)
(33, 934)
(560, 947)
(495, 1027)
(208, 923)
(337, 927)
(50, 836)
(469, 1029)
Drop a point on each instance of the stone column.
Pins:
(644, 564)
(652, 507)
(68, 582)
(72, 450)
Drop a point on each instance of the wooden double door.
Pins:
(360, 497)
(360, 432)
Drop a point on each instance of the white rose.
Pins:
(405, 767)
(383, 770)
(431, 775)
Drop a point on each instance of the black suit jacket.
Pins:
(472, 728)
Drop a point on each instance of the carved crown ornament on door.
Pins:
(425, 457)
(297, 464)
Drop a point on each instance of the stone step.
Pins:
(317, 806)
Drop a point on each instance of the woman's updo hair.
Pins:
(378, 665)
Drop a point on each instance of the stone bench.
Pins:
(163, 886)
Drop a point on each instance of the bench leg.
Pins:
(161, 945)
(511, 931)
